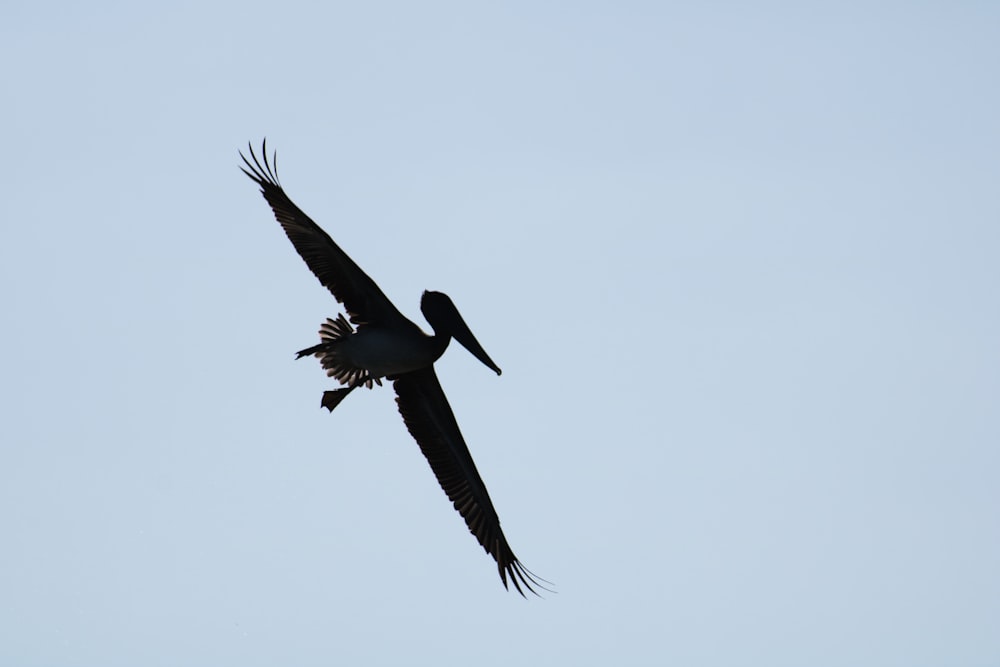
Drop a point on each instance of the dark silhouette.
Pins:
(387, 345)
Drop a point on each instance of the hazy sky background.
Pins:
(740, 266)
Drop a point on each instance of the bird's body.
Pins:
(377, 351)
(386, 345)
(389, 352)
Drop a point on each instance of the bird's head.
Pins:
(444, 318)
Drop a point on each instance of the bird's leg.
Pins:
(332, 398)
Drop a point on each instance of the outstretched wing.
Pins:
(364, 301)
(432, 424)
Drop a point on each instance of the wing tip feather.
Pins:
(266, 174)
(521, 576)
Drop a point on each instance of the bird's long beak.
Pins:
(460, 332)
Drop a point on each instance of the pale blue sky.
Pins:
(740, 265)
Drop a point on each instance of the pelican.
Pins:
(388, 345)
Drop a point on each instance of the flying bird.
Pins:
(385, 344)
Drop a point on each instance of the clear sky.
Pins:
(740, 266)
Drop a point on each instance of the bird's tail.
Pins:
(331, 334)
